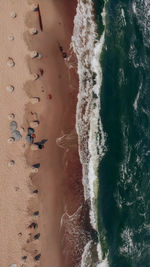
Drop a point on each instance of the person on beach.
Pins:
(64, 54)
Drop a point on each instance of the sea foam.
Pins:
(91, 137)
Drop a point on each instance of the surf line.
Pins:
(88, 122)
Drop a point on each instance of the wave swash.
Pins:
(89, 128)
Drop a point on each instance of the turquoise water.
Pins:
(124, 191)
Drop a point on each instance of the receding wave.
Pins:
(91, 137)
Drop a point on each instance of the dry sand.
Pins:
(58, 180)
(14, 192)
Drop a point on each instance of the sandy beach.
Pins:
(39, 88)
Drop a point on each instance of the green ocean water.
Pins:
(124, 180)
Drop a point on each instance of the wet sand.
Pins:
(57, 117)
(58, 180)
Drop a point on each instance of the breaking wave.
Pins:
(91, 137)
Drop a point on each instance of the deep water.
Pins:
(124, 191)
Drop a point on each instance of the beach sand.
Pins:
(14, 192)
(59, 176)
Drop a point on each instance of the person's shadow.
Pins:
(41, 143)
(37, 165)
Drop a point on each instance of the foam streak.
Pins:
(88, 121)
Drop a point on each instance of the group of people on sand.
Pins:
(16, 134)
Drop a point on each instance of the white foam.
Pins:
(103, 263)
(96, 144)
(87, 257)
(87, 118)
(127, 238)
(88, 121)
(123, 16)
(141, 10)
(134, 7)
(83, 45)
(135, 104)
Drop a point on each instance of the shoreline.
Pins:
(88, 123)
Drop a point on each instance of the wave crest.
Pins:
(91, 137)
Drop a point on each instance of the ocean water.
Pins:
(87, 45)
(124, 177)
(111, 40)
